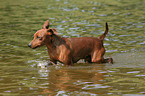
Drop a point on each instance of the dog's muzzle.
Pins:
(29, 45)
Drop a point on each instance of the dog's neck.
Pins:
(56, 41)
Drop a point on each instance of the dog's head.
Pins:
(42, 36)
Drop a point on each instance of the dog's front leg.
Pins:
(68, 60)
(52, 62)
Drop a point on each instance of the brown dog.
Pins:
(70, 50)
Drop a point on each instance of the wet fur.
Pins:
(70, 50)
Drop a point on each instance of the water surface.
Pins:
(23, 71)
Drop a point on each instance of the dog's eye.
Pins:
(40, 38)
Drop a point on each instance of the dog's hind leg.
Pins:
(97, 56)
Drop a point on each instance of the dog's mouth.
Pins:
(35, 47)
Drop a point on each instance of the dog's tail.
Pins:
(105, 33)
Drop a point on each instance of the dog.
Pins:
(70, 50)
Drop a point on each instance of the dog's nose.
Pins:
(29, 45)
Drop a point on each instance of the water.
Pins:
(23, 71)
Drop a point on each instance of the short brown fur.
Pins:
(70, 50)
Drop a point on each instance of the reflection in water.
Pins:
(71, 79)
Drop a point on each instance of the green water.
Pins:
(22, 69)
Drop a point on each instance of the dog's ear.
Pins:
(52, 31)
(46, 24)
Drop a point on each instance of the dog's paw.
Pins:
(110, 60)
